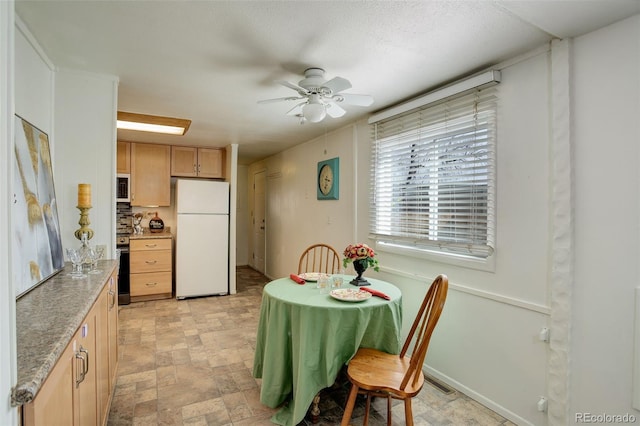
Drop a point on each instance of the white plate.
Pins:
(312, 276)
(350, 294)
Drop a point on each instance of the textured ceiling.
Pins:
(211, 61)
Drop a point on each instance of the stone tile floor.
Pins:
(189, 362)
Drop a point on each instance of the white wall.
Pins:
(606, 83)
(34, 85)
(8, 370)
(242, 217)
(85, 114)
(80, 122)
(295, 219)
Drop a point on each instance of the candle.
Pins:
(84, 195)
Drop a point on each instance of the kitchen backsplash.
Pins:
(123, 218)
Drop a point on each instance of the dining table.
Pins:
(305, 336)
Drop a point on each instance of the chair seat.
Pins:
(373, 370)
(377, 373)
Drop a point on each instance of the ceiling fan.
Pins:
(321, 98)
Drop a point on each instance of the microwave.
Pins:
(123, 187)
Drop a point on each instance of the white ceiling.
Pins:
(211, 61)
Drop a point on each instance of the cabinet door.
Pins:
(113, 330)
(85, 392)
(102, 353)
(54, 402)
(184, 161)
(210, 162)
(150, 174)
(123, 163)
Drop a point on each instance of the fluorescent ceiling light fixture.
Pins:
(152, 123)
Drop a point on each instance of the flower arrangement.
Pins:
(360, 251)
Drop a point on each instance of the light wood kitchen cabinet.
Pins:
(106, 346)
(78, 389)
(54, 402)
(112, 314)
(123, 158)
(150, 174)
(68, 396)
(85, 396)
(197, 162)
(150, 265)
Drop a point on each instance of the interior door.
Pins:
(259, 224)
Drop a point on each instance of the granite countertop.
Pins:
(146, 234)
(47, 317)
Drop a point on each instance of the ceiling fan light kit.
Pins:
(314, 112)
(320, 97)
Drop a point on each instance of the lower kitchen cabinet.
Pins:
(106, 346)
(112, 314)
(54, 402)
(79, 388)
(151, 270)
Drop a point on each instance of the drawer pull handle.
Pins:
(151, 262)
(150, 245)
(151, 284)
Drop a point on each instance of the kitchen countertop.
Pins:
(146, 234)
(47, 317)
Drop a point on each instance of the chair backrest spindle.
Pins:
(319, 258)
(425, 322)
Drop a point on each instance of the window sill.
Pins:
(469, 262)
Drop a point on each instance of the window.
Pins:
(433, 177)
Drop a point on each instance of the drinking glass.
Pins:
(95, 254)
(323, 283)
(336, 281)
(77, 259)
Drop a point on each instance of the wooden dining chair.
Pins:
(319, 258)
(375, 373)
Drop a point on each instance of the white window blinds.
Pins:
(433, 177)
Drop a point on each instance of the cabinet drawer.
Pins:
(151, 283)
(150, 244)
(150, 261)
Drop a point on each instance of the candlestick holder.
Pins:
(84, 223)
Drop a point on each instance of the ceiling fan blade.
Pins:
(353, 99)
(337, 84)
(296, 109)
(301, 90)
(334, 110)
(288, 98)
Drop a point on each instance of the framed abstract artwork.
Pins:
(36, 245)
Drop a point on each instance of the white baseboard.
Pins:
(492, 405)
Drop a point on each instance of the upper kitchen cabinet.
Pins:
(197, 162)
(150, 174)
(124, 157)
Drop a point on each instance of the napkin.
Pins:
(297, 279)
(375, 292)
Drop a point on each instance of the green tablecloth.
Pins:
(305, 337)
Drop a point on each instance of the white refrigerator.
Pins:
(202, 238)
